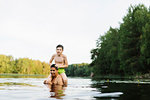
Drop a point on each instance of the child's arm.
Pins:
(51, 60)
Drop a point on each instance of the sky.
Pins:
(33, 28)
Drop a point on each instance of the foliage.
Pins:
(29, 66)
(22, 66)
(125, 50)
(78, 70)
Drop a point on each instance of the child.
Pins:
(61, 62)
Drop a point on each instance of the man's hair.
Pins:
(53, 65)
(60, 46)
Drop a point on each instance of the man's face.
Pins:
(59, 50)
(53, 71)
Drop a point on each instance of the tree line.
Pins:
(78, 70)
(125, 50)
(28, 66)
(22, 66)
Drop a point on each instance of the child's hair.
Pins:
(60, 46)
(53, 65)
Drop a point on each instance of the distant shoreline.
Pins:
(12, 74)
(143, 76)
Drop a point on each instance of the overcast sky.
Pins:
(33, 28)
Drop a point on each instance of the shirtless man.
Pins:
(61, 62)
(56, 79)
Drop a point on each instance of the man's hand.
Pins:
(47, 82)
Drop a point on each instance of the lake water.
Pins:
(32, 88)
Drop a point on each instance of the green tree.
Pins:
(145, 45)
(78, 70)
(22, 66)
(105, 56)
(125, 51)
(130, 39)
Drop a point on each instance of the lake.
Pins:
(32, 88)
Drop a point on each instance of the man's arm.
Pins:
(48, 81)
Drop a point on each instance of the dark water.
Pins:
(32, 88)
(133, 89)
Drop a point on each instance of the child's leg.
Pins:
(64, 77)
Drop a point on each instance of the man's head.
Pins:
(59, 49)
(54, 70)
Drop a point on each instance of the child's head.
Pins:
(59, 49)
(61, 46)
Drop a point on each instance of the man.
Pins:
(61, 62)
(56, 79)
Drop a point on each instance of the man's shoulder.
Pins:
(59, 80)
(59, 76)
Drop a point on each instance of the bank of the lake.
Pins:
(8, 75)
(111, 76)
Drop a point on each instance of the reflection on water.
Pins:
(78, 89)
(34, 89)
(56, 91)
(134, 89)
(14, 83)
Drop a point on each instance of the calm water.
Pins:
(32, 88)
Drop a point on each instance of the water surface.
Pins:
(32, 88)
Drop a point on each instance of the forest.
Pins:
(125, 50)
(22, 66)
(78, 70)
(29, 66)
